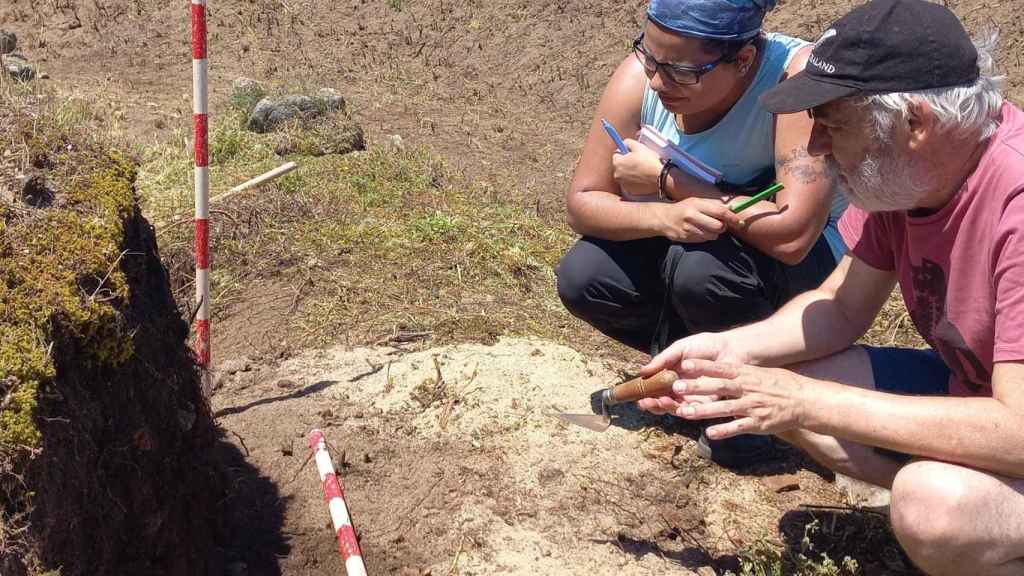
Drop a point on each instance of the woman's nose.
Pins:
(657, 83)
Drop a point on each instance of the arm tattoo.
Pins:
(805, 168)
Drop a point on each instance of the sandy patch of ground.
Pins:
(453, 463)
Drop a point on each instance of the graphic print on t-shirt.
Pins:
(929, 315)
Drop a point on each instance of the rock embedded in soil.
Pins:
(270, 113)
(8, 41)
(17, 67)
(313, 125)
(782, 483)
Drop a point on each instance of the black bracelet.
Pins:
(663, 178)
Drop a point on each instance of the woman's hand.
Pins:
(637, 172)
(696, 220)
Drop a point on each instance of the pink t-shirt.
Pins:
(961, 270)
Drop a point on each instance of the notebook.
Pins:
(666, 150)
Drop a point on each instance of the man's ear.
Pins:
(921, 124)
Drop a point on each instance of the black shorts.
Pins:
(907, 371)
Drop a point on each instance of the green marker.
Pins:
(762, 195)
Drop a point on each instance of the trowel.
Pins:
(658, 385)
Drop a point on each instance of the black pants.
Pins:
(648, 293)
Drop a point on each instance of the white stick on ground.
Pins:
(261, 179)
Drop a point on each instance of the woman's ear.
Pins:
(745, 59)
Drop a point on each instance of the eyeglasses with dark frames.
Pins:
(675, 73)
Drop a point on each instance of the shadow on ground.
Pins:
(692, 557)
(308, 390)
(254, 517)
(784, 459)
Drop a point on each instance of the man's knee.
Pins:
(930, 502)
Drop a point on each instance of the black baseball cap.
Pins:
(881, 46)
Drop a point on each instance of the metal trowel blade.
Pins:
(593, 422)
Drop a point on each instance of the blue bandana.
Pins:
(715, 19)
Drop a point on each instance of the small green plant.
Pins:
(434, 227)
(243, 101)
(764, 559)
(395, 5)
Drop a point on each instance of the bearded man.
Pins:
(931, 158)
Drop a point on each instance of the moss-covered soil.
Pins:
(103, 432)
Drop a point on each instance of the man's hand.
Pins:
(760, 400)
(637, 172)
(707, 346)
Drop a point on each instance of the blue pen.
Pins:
(615, 136)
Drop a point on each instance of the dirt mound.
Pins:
(102, 448)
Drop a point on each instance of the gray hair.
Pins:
(968, 111)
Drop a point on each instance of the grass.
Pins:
(391, 239)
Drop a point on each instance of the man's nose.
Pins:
(821, 141)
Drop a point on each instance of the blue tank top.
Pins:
(742, 144)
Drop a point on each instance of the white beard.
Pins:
(885, 181)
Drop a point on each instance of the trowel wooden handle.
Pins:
(658, 385)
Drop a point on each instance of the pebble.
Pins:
(8, 42)
(187, 418)
(236, 365)
(19, 68)
(245, 85)
(782, 483)
(331, 98)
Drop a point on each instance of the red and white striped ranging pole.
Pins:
(202, 179)
(335, 496)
